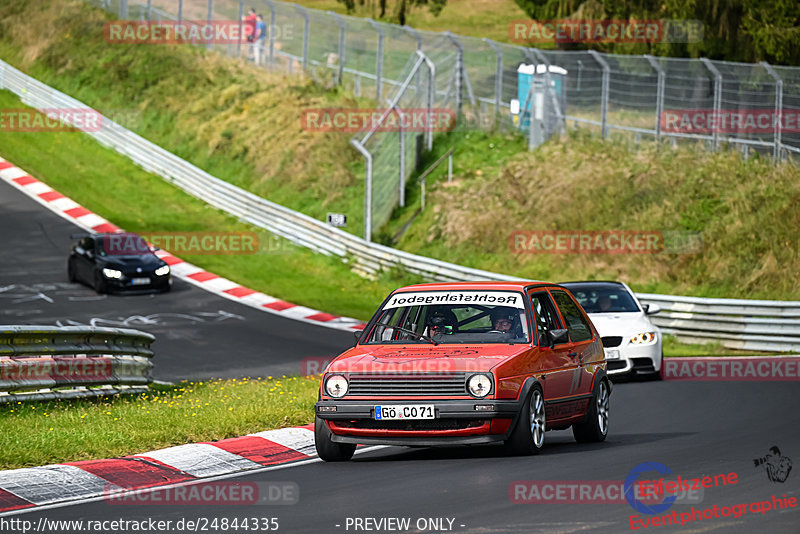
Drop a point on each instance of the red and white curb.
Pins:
(91, 222)
(33, 487)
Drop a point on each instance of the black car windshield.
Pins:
(604, 299)
(123, 245)
(469, 316)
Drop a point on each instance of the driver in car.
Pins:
(502, 319)
(442, 322)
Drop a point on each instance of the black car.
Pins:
(117, 262)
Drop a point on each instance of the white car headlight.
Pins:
(645, 338)
(112, 273)
(479, 385)
(162, 271)
(336, 386)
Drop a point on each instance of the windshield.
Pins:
(451, 317)
(123, 245)
(596, 299)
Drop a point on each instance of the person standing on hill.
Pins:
(250, 29)
(260, 39)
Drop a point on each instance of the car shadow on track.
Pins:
(555, 446)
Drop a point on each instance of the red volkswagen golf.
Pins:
(467, 363)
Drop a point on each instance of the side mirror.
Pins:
(90, 254)
(557, 336)
(651, 309)
(357, 335)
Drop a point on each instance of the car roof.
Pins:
(495, 285)
(594, 283)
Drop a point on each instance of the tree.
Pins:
(401, 7)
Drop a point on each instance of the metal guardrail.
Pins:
(44, 363)
(703, 320)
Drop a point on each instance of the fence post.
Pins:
(418, 39)
(402, 181)
(604, 96)
(561, 116)
(123, 9)
(367, 189)
(241, 24)
(459, 70)
(717, 96)
(210, 45)
(431, 90)
(180, 11)
(378, 62)
(659, 95)
(498, 79)
(776, 153)
(149, 9)
(272, 23)
(306, 25)
(340, 22)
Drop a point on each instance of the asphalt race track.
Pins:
(694, 428)
(198, 334)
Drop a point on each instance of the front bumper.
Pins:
(636, 359)
(157, 283)
(456, 422)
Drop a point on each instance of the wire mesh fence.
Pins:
(490, 85)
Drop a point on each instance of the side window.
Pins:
(576, 324)
(545, 315)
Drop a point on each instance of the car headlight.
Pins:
(479, 385)
(645, 338)
(162, 271)
(112, 273)
(336, 386)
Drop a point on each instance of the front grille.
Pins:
(412, 426)
(615, 365)
(611, 341)
(386, 385)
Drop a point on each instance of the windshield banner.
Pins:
(499, 298)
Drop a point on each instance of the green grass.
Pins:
(42, 433)
(110, 185)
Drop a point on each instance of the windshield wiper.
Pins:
(421, 336)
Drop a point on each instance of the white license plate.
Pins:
(612, 354)
(393, 412)
(140, 281)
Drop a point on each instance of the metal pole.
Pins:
(422, 195)
(180, 11)
(418, 39)
(210, 44)
(123, 9)
(659, 95)
(149, 9)
(549, 90)
(304, 13)
(776, 153)
(717, 97)
(498, 78)
(604, 96)
(239, 42)
(431, 90)
(340, 21)
(378, 62)
(459, 70)
(272, 24)
(402, 181)
(367, 189)
(450, 166)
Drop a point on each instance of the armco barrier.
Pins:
(745, 324)
(42, 363)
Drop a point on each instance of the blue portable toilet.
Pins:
(537, 75)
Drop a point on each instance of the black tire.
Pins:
(71, 272)
(527, 438)
(595, 428)
(326, 448)
(100, 285)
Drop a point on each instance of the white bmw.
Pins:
(632, 343)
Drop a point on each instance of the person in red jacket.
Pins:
(250, 29)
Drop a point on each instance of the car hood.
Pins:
(124, 263)
(621, 323)
(423, 359)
